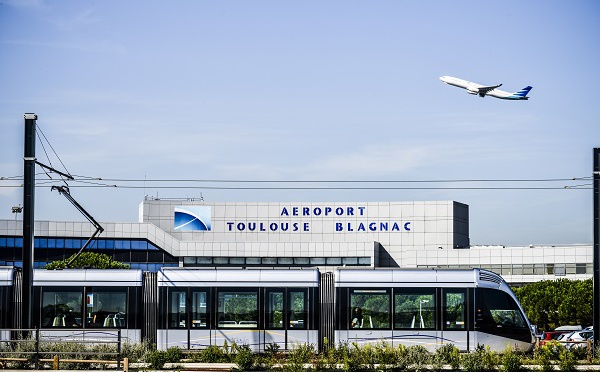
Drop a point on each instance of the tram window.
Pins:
(498, 310)
(62, 307)
(275, 308)
(298, 314)
(199, 313)
(177, 309)
(454, 309)
(238, 309)
(106, 307)
(414, 308)
(370, 308)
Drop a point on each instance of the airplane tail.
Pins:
(522, 93)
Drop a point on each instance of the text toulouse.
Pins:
(317, 211)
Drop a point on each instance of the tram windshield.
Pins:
(498, 313)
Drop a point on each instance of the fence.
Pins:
(35, 346)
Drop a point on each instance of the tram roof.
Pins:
(416, 277)
(88, 277)
(222, 277)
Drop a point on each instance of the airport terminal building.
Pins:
(189, 233)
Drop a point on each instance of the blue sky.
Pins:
(309, 90)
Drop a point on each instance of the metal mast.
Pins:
(28, 219)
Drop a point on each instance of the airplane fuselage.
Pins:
(483, 90)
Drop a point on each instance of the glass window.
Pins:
(454, 309)
(550, 269)
(301, 261)
(528, 269)
(275, 308)
(350, 261)
(334, 260)
(106, 307)
(570, 268)
(238, 309)
(559, 269)
(580, 268)
(237, 260)
(2, 242)
(364, 260)
(189, 260)
(496, 309)
(269, 261)
(298, 308)
(369, 308)
(221, 260)
(139, 245)
(317, 261)
(285, 260)
(539, 269)
(41, 243)
(199, 313)
(414, 308)
(204, 260)
(177, 309)
(62, 307)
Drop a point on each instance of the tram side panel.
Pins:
(269, 307)
(88, 304)
(429, 308)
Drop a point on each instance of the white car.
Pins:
(579, 338)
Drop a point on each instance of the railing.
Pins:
(35, 346)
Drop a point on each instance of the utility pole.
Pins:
(596, 243)
(28, 220)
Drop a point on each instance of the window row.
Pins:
(89, 307)
(425, 308)
(109, 244)
(271, 261)
(528, 269)
(219, 308)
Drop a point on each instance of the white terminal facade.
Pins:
(420, 234)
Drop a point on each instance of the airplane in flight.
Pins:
(486, 90)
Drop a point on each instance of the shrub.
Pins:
(213, 354)
(157, 359)
(244, 358)
(173, 354)
(511, 361)
(482, 359)
(449, 354)
(418, 358)
(566, 361)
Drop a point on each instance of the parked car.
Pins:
(554, 335)
(579, 338)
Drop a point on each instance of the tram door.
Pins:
(455, 320)
(286, 317)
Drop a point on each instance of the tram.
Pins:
(193, 308)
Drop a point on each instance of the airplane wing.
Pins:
(484, 90)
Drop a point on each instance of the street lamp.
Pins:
(421, 302)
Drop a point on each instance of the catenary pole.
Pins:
(596, 243)
(28, 220)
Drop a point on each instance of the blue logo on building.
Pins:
(192, 218)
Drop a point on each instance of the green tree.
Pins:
(88, 260)
(551, 303)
